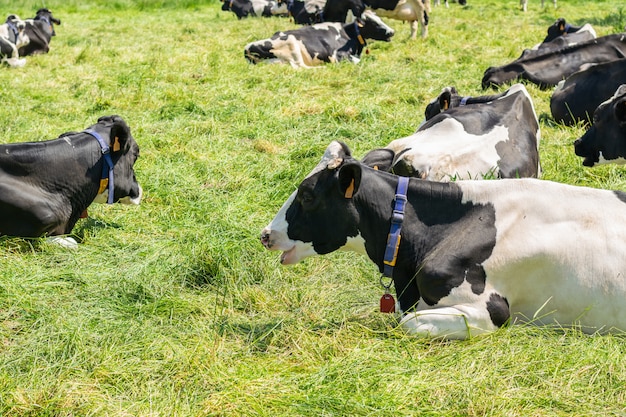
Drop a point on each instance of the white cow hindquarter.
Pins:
(446, 152)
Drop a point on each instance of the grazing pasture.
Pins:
(173, 308)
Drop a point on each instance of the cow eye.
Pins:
(306, 198)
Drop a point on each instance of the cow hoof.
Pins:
(64, 241)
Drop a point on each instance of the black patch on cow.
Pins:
(498, 308)
(382, 4)
(621, 195)
(445, 243)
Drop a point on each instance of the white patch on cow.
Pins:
(456, 316)
(63, 241)
(602, 160)
(408, 10)
(295, 52)
(446, 151)
(540, 259)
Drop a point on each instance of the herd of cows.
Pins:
(466, 254)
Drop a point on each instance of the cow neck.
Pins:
(106, 180)
(395, 229)
(14, 30)
(357, 35)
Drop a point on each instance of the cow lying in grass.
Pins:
(321, 43)
(468, 138)
(472, 255)
(12, 38)
(46, 186)
(39, 30)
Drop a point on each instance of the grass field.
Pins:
(173, 308)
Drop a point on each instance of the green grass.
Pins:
(174, 308)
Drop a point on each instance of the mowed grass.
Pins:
(173, 308)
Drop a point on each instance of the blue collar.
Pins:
(13, 28)
(106, 180)
(393, 239)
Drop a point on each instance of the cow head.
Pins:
(605, 140)
(45, 15)
(319, 217)
(372, 27)
(124, 152)
(442, 103)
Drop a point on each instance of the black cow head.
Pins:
(442, 103)
(124, 152)
(372, 27)
(605, 140)
(45, 15)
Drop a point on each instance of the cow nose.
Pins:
(265, 239)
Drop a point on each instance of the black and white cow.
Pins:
(39, 30)
(12, 37)
(547, 68)
(412, 11)
(496, 138)
(450, 98)
(314, 45)
(254, 8)
(46, 186)
(577, 97)
(524, 4)
(605, 140)
(473, 255)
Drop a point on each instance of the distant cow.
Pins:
(466, 257)
(524, 4)
(605, 140)
(577, 97)
(575, 34)
(46, 186)
(491, 138)
(12, 38)
(254, 8)
(39, 30)
(314, 45)
(412, 11)
(547, 68)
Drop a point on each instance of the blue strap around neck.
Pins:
(107, 167)
(393, 239)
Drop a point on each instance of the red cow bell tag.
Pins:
(387, 303)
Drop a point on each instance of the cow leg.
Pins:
(455, 322)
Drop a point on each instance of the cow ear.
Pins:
(444, 100)
(620, 110)
(349, 179)
(120, 135)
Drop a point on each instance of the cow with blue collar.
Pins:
(45, 187)
(39, 30)
(466, 257)
(12, 37)
(314, 45)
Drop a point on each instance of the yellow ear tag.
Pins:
(376, 167)
(116, 144)
(350, 189)
(446, 105)
(104, 183)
